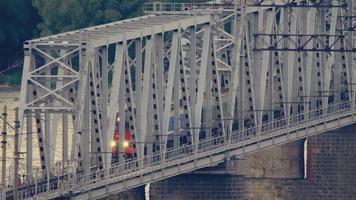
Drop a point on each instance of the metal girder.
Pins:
(300, 42)
(348, 23)
(297, 3)
(114, 103)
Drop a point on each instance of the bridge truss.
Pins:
(193, 84)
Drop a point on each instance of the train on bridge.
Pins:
(184, 87)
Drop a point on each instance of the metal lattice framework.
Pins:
(192, 83)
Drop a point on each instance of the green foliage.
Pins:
(18, 20)
(181, 1)
(12, 77)
(66, 15)
(24, 19)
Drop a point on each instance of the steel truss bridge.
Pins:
(194, 84)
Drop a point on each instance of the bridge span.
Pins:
(184, 87)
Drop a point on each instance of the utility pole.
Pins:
(3, 163)
(16, 155)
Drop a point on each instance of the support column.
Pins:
(193, 84)
(114, 103)
(138, 90)
(146, 117)
(104, 96)
(65, 139)
(176, 103)
(85, 134)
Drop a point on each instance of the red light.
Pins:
(127, 135)
(116, 135)
(129, 150)
(114, 149)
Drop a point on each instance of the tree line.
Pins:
(21, 20)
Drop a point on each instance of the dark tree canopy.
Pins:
(66, 15)
(18, 20)
(25, 19)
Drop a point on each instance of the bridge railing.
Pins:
(160, 7)
(292, 121)
(75, 182)
(161, 160)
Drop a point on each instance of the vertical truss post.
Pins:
(138, 90)
(176, 133)
(330, 58)
(185, 117)
(193, 83)
(218, 125)
(173, 63)
(146, 117)
(85, 121)
(29, 137)
(95, 112)
(236, 75)
(122, 113)
(207, 122)
(23, 100)
(79, 147)
(104, 97)
(266, 56)
(204, 65)
(130, 102)
(158, 90)
(241, 81)
(270, 87)
(65, 139)
(47, 119)
(290, 58)
(310, 69)
(114, 101)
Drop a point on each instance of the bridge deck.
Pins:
(206, 153)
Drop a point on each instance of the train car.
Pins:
(126, 143)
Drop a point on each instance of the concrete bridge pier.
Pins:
(133, 194)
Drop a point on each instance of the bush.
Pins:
(11, 77)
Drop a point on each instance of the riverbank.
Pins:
(9, 88)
